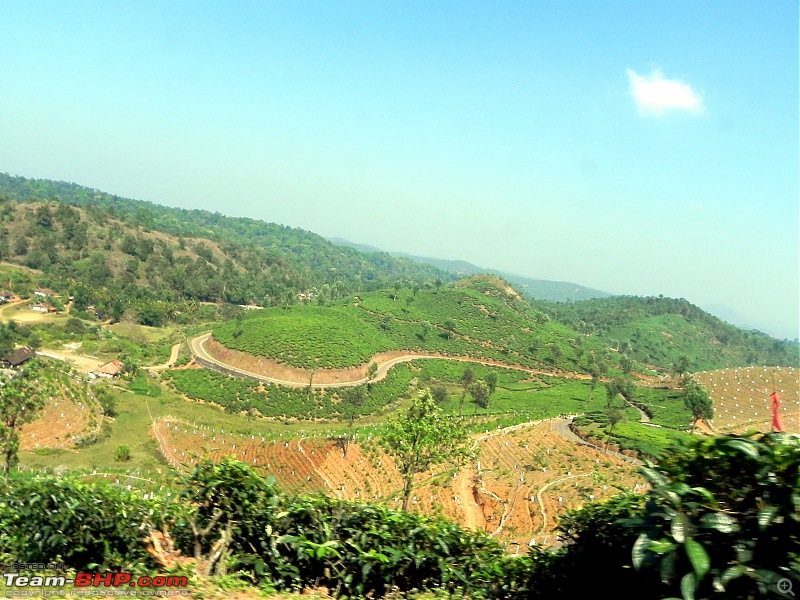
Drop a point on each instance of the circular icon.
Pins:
(785, 586)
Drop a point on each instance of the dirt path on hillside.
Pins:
(209, 352)
(173, 356)
(473, 517)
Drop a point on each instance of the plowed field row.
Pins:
(70, 415)
(525, 478)
(742, 397)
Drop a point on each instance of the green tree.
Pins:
(449, 326)
(593, 385)
(556, 352)
(423, 437)
(621, 386)
(467, 378)
(697, 400)
(491, 382)
(440, 394)
(625, 363)
(22, 396)
(480, 394)
(425, 331)
(615, 416)
(353, 401)
(680, 367)
(372, 370)
(122, 453)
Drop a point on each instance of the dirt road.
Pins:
(173, 356)
(202, 356)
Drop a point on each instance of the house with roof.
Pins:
(44, 293)
(109, 370)
(18, 357)
(7, 296)
(43, 307)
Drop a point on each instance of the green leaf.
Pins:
(706, 495)
(732, 573)
(688, 586)
(653, 476)
(662, 546)
(698, 557)
(678, 528)
(719, 521)
(640, 548)
(766, 515)
(744, 446)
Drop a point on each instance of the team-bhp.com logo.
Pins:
(94, 584)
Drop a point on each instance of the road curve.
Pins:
(173, 356)
(201, 356)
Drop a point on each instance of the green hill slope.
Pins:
(479, 317)
(660, 331)
(129, 255)
(482, 316)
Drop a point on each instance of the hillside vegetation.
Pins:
(720, 522)
(135, 281)
(155, 262)
(483, 317)
(137, 261)
(660, 330)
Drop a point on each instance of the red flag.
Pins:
(776, 405)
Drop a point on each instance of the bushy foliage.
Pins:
(353, 549)
(463, 321)
(723, 520)
(153, 263)
(705, 341)
(241, 395)
(45, 519)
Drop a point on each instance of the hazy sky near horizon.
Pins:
(638, 147)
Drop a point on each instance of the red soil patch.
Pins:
(493, 494)
(62, 423)
(742, 401)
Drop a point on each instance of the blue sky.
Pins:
(636, 147)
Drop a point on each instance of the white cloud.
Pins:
(656, 96)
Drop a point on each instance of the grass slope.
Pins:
(480, 318)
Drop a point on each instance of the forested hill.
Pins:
(140, 250)
(134, 260)
(660, 330)
(540, 289)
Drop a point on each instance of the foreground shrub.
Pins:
(350, 548)
(723, 519)
(84, 525)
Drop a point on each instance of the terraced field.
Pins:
(526, 475)
(742, 397)
(70, 415)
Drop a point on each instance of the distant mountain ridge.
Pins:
(564, 291)
(539, 289)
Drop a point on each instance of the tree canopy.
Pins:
(423, 437)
